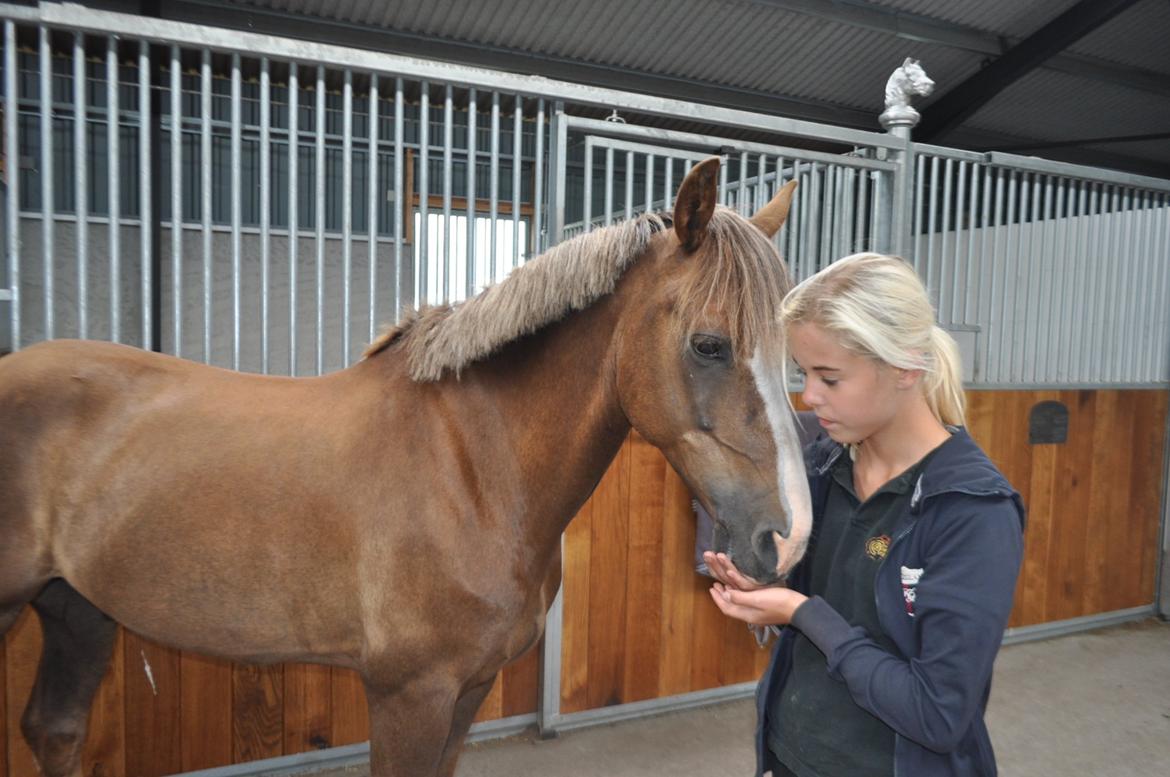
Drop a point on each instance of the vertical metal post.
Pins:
(81, 184)
(538, 181)
(373, 193)
(113, 193)
(445, 273)
(150, 174)
(629, 194)
(11, 153)
(346, 214)
(608, 186)
(265, 213)
(235, 203)
(47, 199)
(549, 703)
(205, 166)
(176, 202)
(294, 153)
(401, 198)
(422, 235)
(319, 221)
(517, 164)
(494, 187)
(470, 278)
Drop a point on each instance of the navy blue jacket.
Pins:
(944, 593)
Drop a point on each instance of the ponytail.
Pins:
(944, 383)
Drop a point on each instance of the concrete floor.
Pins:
(1096, 703)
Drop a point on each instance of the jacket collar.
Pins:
(958, 466)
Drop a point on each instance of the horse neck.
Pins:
(556, 398)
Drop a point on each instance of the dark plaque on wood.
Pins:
(1048, 423)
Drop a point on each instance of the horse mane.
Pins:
(573, 274)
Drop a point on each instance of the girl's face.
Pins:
(854, 396)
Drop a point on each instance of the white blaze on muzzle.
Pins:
(792, 480)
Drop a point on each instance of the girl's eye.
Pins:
(829, 382)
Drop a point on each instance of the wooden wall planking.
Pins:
(638, 622)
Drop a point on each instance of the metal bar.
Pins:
(494, 183)
(517, 164)
(1094, 219)
(1078, 279)
(994, 318)
(149, 229)
(294, 153)
(319, 221)
(587, 212)
(629, 185)
(538, 181)
(176, 201)
(113, 193)
(70, 16)
(1122, 298)
(959, 202)
(1063, 258)
(648, 195)
(469, 281)
(919, 228)
(445, 274)
(741, 197)
(346, 214)
(205, 166)
(1134, 357)
(761, 173)
(422, 238)
(986, 261)
(814, 231)
(859, 241)
(236, 204)
(968, 254)
(11, 152)
(1163, 323)
(1104, 244)
(608, 186)
(265, 213)
(668, 185)
(946, 260)
(47, 199)
(1038, 165)
(723, 182)
(802, 254)
(372, 195)
(81, 184)
(401, 198)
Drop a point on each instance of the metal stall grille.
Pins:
(1060, 271)
(841, 205)
(397, 192)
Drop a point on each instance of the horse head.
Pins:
(700, 373)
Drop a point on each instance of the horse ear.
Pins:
(695, 203)
(772, 216)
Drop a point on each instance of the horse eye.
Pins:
(707, 347)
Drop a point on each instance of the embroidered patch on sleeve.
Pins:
(910, 578)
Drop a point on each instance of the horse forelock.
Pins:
(742, 276)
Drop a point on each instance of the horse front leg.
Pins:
(465, 709)
(410, 725)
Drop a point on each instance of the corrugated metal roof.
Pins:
(834, 53)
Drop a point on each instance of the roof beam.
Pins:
(949, 111)
(925, 29)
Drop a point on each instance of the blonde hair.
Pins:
(877, 307)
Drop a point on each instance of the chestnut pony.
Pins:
(401, 517)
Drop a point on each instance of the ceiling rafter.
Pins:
(924, 29)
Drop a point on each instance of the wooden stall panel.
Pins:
(639, 622)
(1094, 501)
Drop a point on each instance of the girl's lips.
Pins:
(825, 421)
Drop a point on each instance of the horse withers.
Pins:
(401, 517)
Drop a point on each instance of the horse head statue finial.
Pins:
(907, 81)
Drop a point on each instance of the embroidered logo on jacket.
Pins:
(910, 578)
(877, 547)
